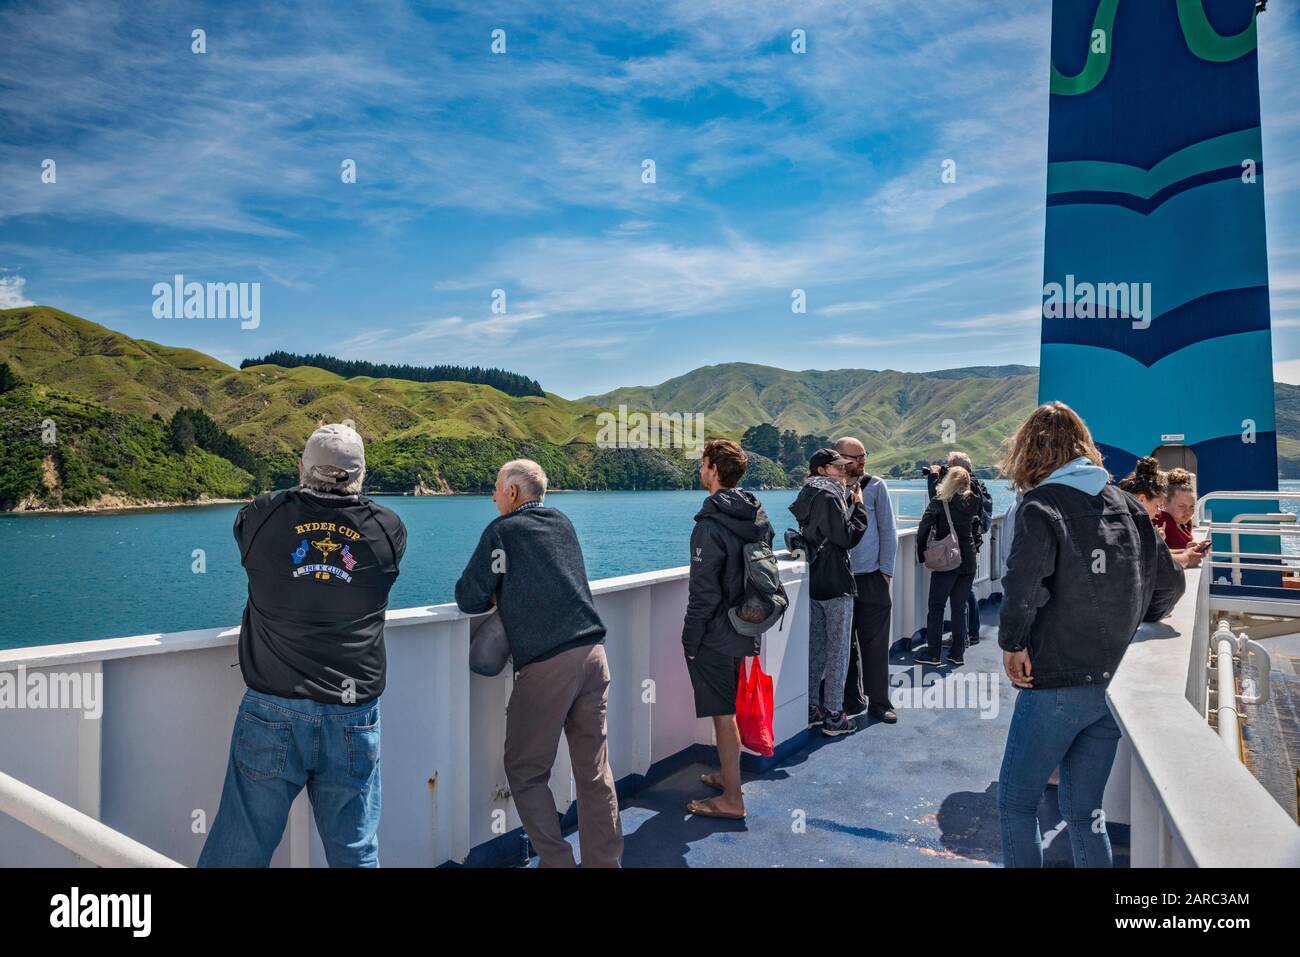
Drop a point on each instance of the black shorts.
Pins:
(715, 678)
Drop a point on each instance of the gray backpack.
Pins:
(765, 599)
(945, 554)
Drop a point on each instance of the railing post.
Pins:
(1146, 829)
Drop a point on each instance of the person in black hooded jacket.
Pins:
(933, 477)
(715, 652)
(953, 587)
(832, 519)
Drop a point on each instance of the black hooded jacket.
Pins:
(831, 529)
(986, 507)
(729, 519)
(966, 511)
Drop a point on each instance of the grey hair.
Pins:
(527, 476)
(962, 459)
(310, 481)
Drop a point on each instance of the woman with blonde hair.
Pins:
(1085, 569)
(952, 588)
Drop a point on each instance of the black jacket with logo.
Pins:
(1083, 573)
(831, 529)
(319, 571)
(729, 519)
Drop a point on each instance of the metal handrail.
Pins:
(1250, 566)
(1227, 649)
(1199, 515)
(1250, 529)
(78, 832)
(1227, 719)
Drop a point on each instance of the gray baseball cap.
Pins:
(334, 454)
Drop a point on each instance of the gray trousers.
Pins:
(830, 629)
(568, 693)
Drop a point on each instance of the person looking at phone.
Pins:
(1150, 486)
(1175, 518)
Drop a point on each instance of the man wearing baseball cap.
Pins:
(320, 560)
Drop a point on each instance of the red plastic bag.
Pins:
(754, 710)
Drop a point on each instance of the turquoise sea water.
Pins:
(87, 576)
(83, 577)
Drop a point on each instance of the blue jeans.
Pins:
(281, 745)
(1069, 728)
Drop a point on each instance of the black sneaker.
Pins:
(837, 723)
(855, 709)
(956, 661)
(883, 713)
(816, 715)
(973, 640)
(925, 658)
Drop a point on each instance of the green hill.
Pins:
(110, 394)
(270, 408)
(901, 416)
(112, 397)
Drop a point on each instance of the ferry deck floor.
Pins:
(919, 793)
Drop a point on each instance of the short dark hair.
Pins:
(728, 458)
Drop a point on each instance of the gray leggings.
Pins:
(830, 629)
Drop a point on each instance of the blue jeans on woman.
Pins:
(1069, 728)
(280, 746)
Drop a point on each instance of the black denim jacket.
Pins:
(1083, 573)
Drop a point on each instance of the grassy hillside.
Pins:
(59, 450)
(1287, 402)
(112, 397)
(902, 416)
(62, 350)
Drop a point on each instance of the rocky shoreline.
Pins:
(117, 503)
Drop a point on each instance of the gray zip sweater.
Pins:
(531, 560)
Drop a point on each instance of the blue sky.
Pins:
(522, 172)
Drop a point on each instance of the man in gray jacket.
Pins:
(528, 564)
(872, 561)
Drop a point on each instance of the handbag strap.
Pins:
(952, 529)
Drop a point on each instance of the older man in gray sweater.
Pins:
(529, 564)
(872, 560)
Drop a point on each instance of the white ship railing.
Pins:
(1188, 799)
(151, 768)
(82, 835)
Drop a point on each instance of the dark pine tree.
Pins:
(8, 379)
(763, 439)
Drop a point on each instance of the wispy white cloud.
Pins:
(11, 292)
